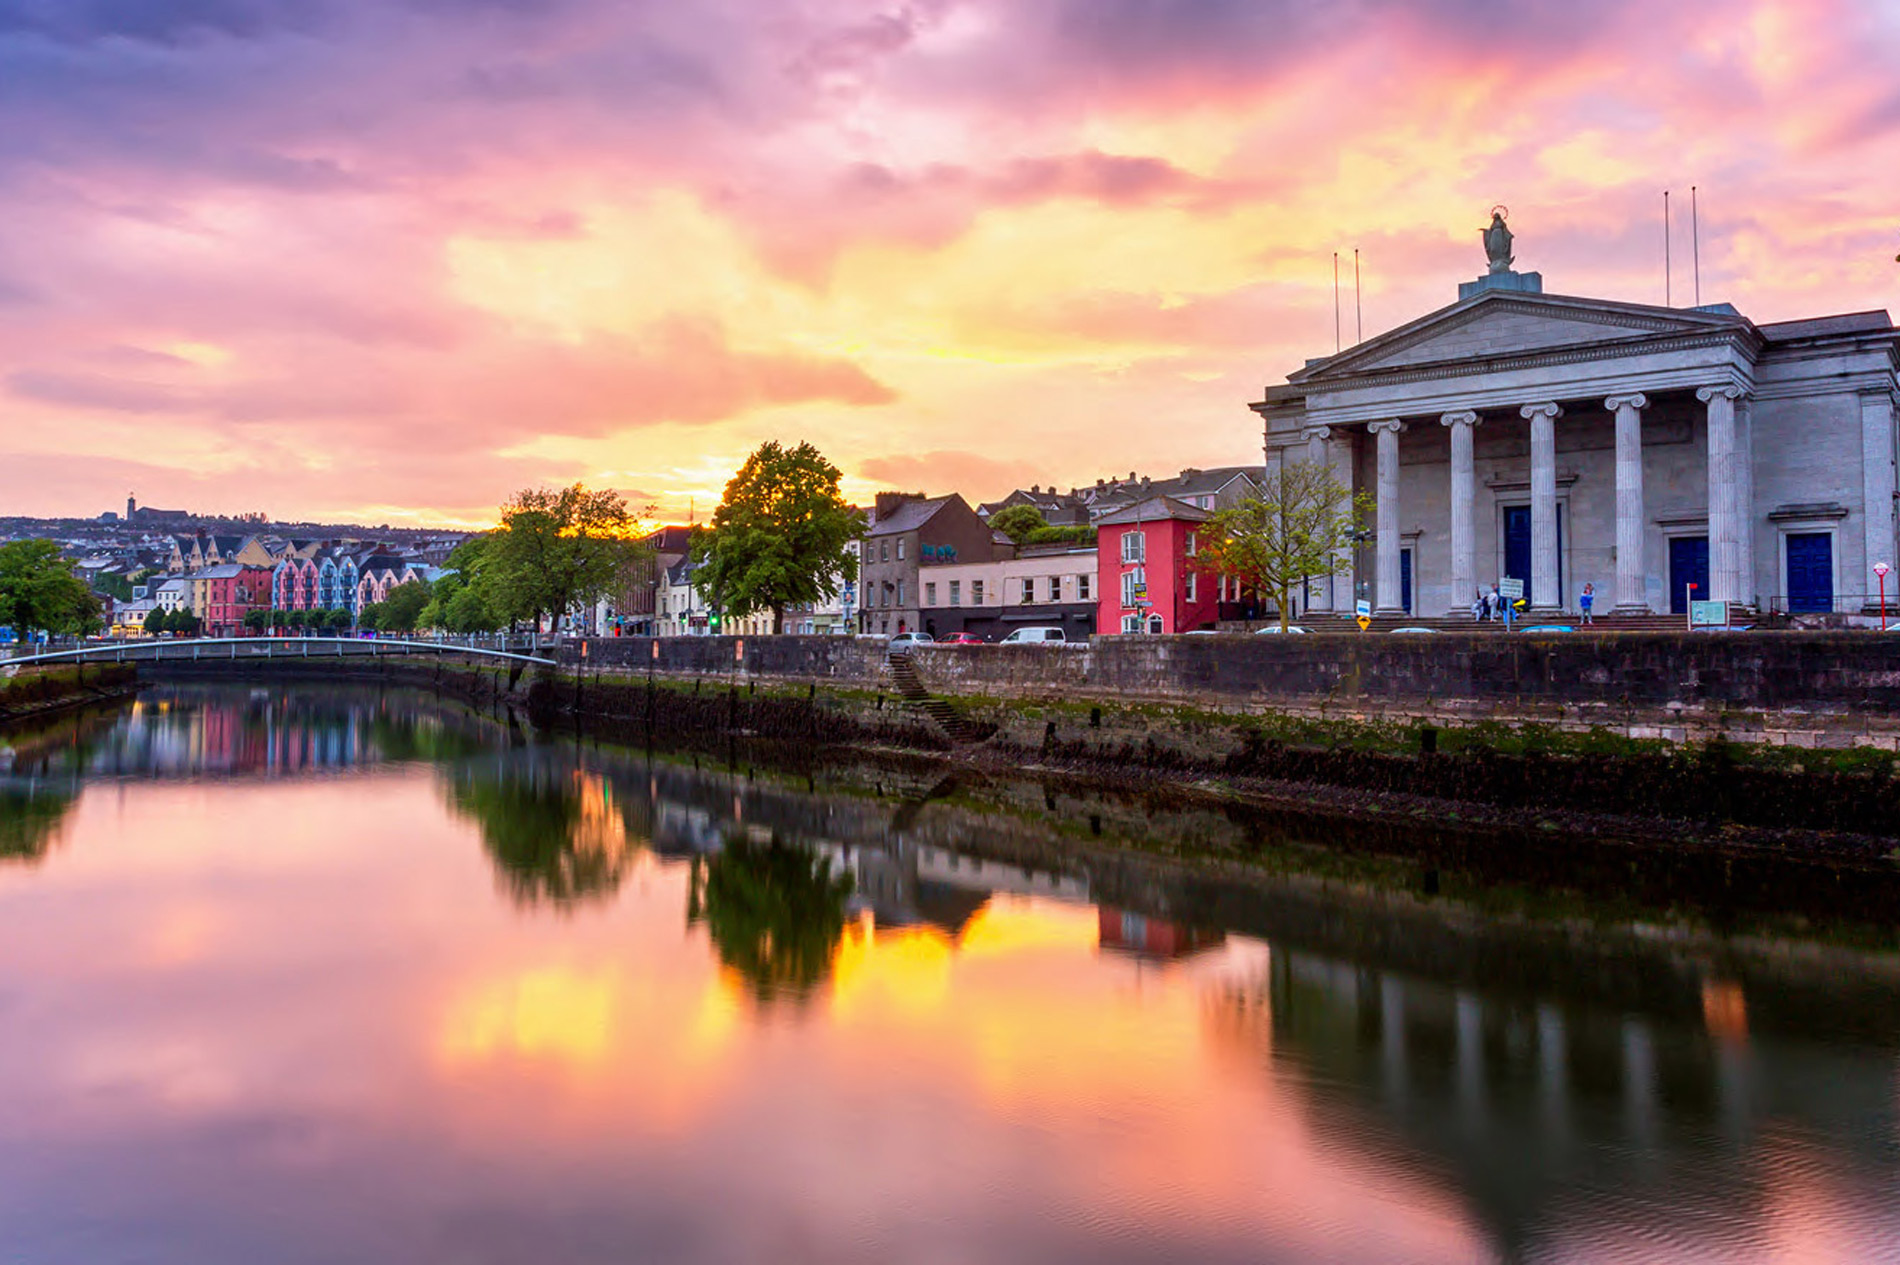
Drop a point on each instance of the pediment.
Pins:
(1493, 326)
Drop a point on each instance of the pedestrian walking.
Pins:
(1586, 600)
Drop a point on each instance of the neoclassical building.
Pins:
(1641, 449)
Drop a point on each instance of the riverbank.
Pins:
(33, 693)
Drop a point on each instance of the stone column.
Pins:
(1725, 563)
(1631, 598)
(1387, 525)
(1319, 451)
(1543, 420)
(1745, 500)
(1877, 487)
(1464, 569)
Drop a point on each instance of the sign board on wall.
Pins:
(1708, 614)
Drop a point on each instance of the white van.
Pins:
(1024, 635)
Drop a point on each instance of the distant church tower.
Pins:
(131, 506)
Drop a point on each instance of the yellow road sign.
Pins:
(1365, 622)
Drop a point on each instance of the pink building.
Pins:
(225, 594)
(294, 584)
(1149, 576)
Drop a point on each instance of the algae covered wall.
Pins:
(1853, 672)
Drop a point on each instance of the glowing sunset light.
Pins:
(394, 262)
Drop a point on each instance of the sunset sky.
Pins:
(390, 260)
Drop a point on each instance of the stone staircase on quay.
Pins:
(1333, 623)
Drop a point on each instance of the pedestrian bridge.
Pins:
(518, 652)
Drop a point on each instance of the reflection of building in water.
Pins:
(1537, 1110)
(1139, 934)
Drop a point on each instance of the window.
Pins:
(1029, 589)
(900, 592)
(900, 548)
(930, 594)
(1134, 584)
(1193, 586)
(956, 592)
(976, 592)
(1193, 543)
(1131, 623)
(1134, 546)
(1055, 588)
(1082, 588)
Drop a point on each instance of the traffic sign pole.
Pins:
(1880, 573)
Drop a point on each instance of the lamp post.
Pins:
(1880, 574)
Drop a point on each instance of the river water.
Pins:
(294, 976)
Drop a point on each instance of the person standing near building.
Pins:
(1586, 600)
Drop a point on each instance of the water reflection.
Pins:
(258, 1011)
(775, 912)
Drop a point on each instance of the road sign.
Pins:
(1510, 589)
(1362, 608)
(1881, 569)
(1708, 614)
(1365, 622)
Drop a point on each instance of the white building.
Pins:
(1562, 440)
(1045, 585)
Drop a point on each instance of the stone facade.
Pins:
(1563, 440)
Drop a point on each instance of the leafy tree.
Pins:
(556, 550)
(337, 620)
(38, 590)
(1295, 528)
(113, 585)
(402, 609)
(257, 620)
(775, 912)
(184, 622)
(1060, 534)
(468, 611)
(371, 616)
(1017, 521)
(779, 537)
(158, 620)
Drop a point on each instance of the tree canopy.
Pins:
(1017, 521)
(40, 592)
(556, 550)
(780, 536)
(1297, 527)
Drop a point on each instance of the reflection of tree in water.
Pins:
(550, 832)
(29, 823)
(775, 912)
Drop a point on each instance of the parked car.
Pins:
(1548, 628)
(1414, 628)
(961, 639)
(903, 641)
(1276, 630)
(1023, 636)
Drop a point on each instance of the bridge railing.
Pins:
(213, 649)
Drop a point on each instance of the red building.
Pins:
(1150, 577)
(224, 594)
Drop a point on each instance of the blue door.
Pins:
(1517, 545)
(1811, 572)
(1517, 550)
(1688, 564)
(1405, 580)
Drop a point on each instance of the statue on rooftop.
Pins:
(1497, 241)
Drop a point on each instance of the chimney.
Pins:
(888, 502)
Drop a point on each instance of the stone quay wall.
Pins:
(1827, 689)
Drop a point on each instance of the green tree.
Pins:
(257, 620)
(402, 609)
(371, 616)
(113, 586)
(336, 621)
(1297, 527)
(779, 537)
(556, 550)
(38, 591)
(184, 623)
(1017, 521)
(775, 913)
(158, 621)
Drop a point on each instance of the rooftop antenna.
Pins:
(1666, 296)
(1695, 244)
(1335, 303)
(1358, 309)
